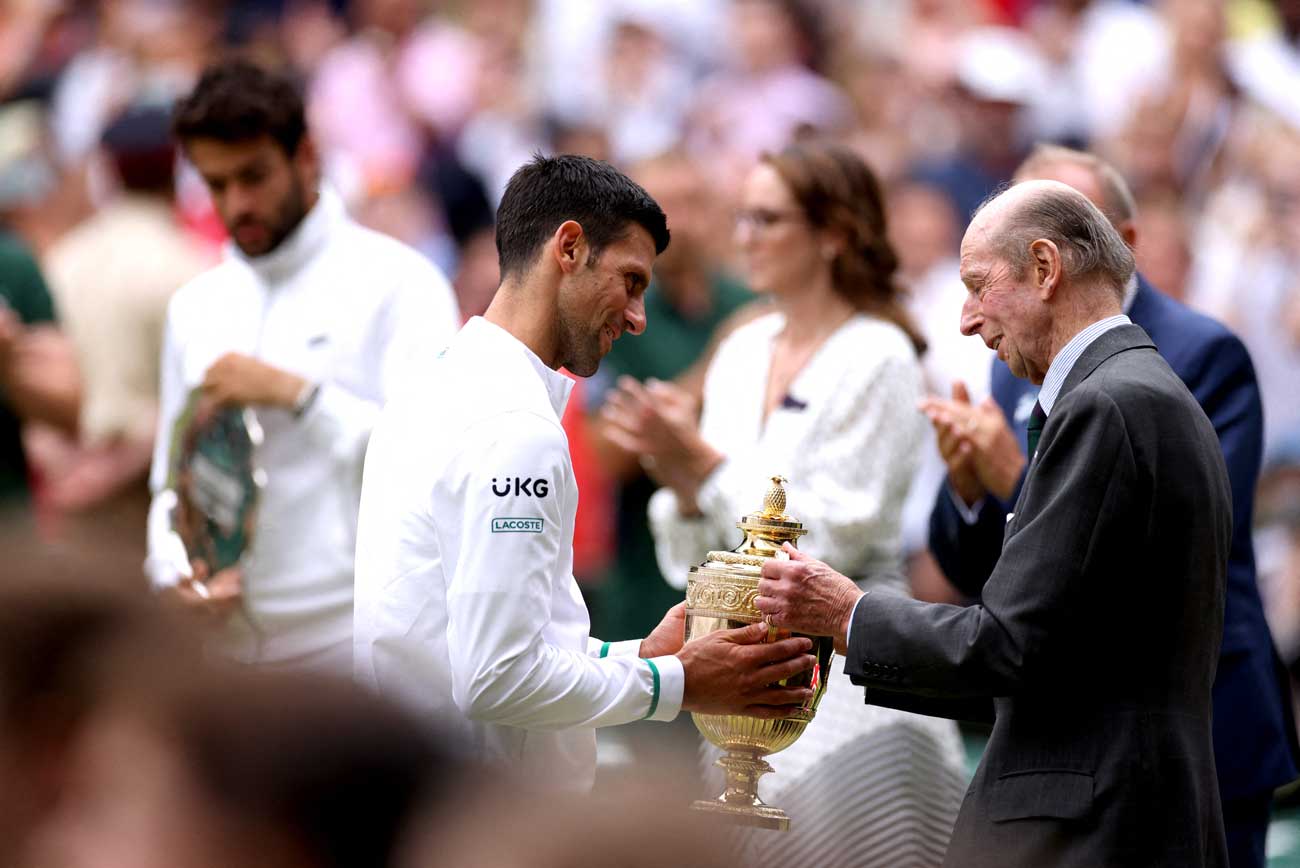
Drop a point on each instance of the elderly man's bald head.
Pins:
(1090, 248)
(1089, 174)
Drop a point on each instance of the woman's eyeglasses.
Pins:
(764, 218)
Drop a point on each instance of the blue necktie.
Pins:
(1036, 420)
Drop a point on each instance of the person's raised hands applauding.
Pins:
(976, 443)
(659, 422)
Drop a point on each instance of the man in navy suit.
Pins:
(983, 446)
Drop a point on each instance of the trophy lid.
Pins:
(771, 520)
(726, 583)
(765, 530)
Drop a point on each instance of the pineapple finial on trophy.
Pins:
(774, 500)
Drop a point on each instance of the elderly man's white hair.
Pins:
(1091, 248)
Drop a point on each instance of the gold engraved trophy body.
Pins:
(719, 596)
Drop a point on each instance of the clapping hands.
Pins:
(981, 452)
(658, 422)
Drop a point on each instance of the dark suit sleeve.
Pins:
(1222, 379)
(965, 552)
(1224, 384)
(973, 709)
(1000, 646)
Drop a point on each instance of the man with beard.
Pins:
(466, 605)
(310, 320)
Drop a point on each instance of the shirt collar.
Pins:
(301, 245)
(1060, 367)
(1130, 292)
(558, 386)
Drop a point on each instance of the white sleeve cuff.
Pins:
(969, 514)
(626, 648)
(167, 561)
(669, 685)
(848, 633)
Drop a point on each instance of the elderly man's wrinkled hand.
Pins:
(807, 596)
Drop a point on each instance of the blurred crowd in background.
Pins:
(422, 109)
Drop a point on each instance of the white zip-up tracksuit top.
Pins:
(466, 605)
(341, 306)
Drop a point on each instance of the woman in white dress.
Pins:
(822, 390)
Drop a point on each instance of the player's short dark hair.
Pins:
(546, 191)
(237, 101)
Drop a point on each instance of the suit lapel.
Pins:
(1118, 340)
(1112, 343)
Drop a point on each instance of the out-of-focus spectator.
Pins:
(1086, 95)
(570, 42)
(23, 27)
(202, 768)
(1176, 134)
(39, 380)
(1164, 253)
(687, 302)
(506, 126)
(1277, 546)
(61, 632)
(146, 51)
(1246, 270)
(770, 89)
(925, 231)
(477, 274)
(401, 78)
(644, 823)
(999, 76)
(1264, 54)
(643, 91)
(112, 277)
(311, 320)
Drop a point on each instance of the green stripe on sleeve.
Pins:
(604, 650)
(654, 699)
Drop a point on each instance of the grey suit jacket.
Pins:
(1097, 636)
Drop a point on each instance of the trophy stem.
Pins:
(740, 803)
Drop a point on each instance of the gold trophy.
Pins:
(719, 596)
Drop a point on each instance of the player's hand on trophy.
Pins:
(805, 595)
(214, 596)
(668, 637)
(736, 672)
(239, 379)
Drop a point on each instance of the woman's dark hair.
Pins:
(546, 191)
(839, 193)
(237, 101)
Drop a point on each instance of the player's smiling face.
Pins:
(605, 299)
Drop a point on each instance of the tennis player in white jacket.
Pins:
(310, 319)
(466, 605)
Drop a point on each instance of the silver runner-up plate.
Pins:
(217, 480)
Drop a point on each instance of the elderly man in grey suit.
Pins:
(1100, 626)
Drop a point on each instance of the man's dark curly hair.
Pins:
(546, 191)
(237, 101)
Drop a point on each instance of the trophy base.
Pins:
(760, 816)
(740, 804)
